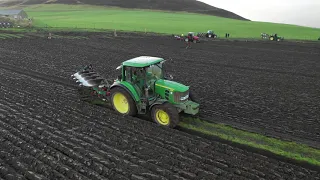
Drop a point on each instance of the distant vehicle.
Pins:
(195, 37)
(184, 38)
(208, 34)
(275, 37)
(211, 34)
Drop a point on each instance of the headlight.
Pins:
(181, 96)
(184, 98)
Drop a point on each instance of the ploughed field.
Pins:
(269, 87)
(46, 132)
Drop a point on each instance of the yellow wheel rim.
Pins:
(162, 117)
(120, 103)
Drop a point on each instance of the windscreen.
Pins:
(156, 70)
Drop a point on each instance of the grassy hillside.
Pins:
(193, 6)
(84, 16)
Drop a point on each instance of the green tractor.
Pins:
(275, 37)
(142, 88)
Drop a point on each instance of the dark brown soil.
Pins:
(46, 132)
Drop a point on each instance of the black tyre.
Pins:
(165, 115)
(193, 97)
(122, 102)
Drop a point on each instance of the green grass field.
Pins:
(97, 17)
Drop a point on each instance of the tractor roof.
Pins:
(142, 61)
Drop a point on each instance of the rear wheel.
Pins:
(165, 115)
(122, 102)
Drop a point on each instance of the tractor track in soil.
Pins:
(243, 84)
(47, 133)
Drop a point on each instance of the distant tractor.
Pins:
(208, 34)
(185, 38)
(195, 38)
(211, 34)
(275, 37)
(142, 88)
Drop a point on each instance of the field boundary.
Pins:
(85, 31)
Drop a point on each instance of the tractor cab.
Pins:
(191, 34)
(142, 73)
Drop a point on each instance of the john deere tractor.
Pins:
(141, 88)
(275, 37)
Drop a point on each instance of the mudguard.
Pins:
(160, 101)
(129, 88)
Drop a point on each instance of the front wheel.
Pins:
(165, 115)
(193, 97)
(122, 102)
